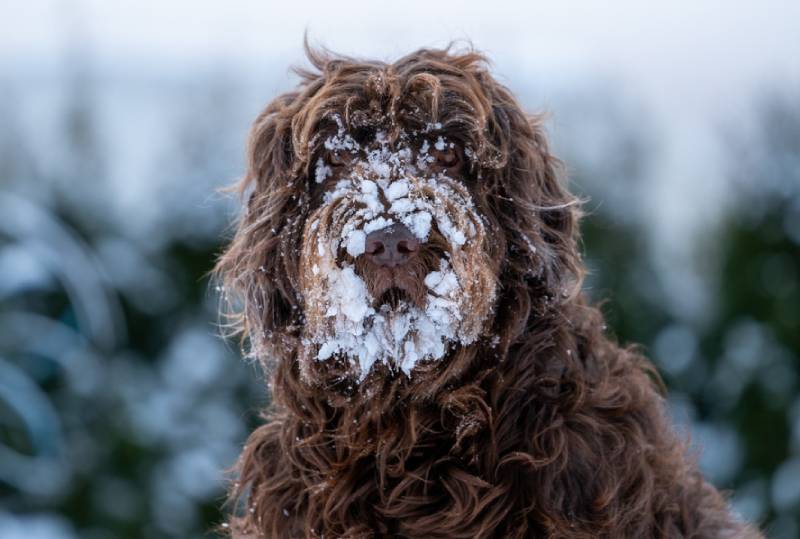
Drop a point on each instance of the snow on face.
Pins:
(404, 334)
(385, 186)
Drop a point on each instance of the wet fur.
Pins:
(543, 428)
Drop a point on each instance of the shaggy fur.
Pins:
(541, 427)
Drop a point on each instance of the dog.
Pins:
(407, 271)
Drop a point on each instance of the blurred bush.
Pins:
(120, 406)
(732, 373)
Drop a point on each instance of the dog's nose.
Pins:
(390, 247)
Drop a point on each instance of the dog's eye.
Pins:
(364, 135)
(339, 158)
(448, 157)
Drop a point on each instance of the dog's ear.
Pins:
(532, 209)
(259, 267)
(550, 213)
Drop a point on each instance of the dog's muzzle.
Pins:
(393, 269)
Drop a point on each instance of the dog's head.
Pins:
(397, 215)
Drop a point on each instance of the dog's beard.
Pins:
(397, 332)
(444, 299)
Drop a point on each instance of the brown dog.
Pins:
(407, 271)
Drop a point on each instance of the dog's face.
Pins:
(401, 215)
(393, 265)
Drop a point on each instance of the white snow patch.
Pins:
(420, 224)
(396, 190)
(322, 171)
(442, 282)
(379, 223)
(356, 242)
(404, 335)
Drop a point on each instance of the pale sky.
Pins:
(665, 42)
(685, 55)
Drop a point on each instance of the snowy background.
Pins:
(120, 407)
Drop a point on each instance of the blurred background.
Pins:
(120, 407)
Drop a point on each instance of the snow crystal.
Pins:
(348, 296)
(420, 224)
(379, 223)
(323, 171)
(396, 190)
(442, 282)
(423, 157)
(341, 141)
(356, 242)
(402, 206)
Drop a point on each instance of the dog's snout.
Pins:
(392, 246)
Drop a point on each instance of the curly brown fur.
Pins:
(541, 427)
